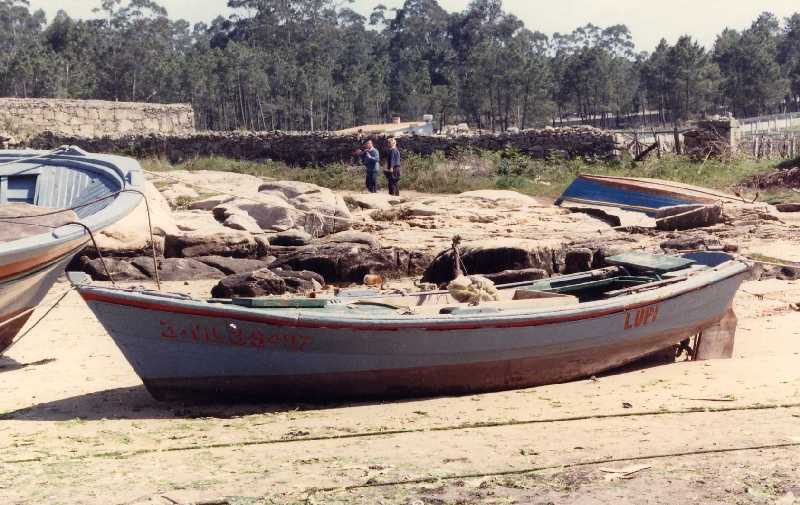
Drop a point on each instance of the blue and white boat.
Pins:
(49, 202)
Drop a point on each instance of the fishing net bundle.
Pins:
(473, 289)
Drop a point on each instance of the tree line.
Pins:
(319, 65)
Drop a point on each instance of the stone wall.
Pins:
(23, 117)
(712, 137)
(320, 148)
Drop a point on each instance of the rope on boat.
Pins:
(38, 321)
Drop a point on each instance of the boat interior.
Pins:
(626, 274)
(31, 188)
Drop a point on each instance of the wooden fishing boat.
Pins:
(381, 346)
(637, 194)
(41, 193)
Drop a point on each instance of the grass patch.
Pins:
(499, 170)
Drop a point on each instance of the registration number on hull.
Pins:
(642, 316)
(232, 336)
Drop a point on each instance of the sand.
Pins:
(77, 426)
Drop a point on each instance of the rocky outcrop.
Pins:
(322, 211)
(512, 276)
(176, 269)
(265, 282)
(500, 198)
(371, 201)
(492, 257)
(788, 207)
(353, 237)
(290, 238)
(233, 266)
(225, 242)
(258, 283)
(119, 269)
(269, 212)
(130, 236)
(687, 217)
(349, 262)
(242, 222)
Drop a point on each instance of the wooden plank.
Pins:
(282, 303)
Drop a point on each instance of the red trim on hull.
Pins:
(369, 326)
(37, 262)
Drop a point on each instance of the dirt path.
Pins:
(76, 426)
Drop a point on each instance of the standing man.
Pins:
(372, 162)
(392, 170)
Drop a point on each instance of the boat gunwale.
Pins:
(441, 322)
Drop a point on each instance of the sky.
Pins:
(648, 22)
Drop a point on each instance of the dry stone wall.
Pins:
(305, 149)
(24, 117)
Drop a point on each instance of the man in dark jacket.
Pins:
(392, 170)
(372, 162)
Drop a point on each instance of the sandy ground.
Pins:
(77, 426)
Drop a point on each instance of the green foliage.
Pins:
(319, 65)
(507, 169)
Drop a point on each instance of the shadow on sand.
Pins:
(9, 365)
(136, 403)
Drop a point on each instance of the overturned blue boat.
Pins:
(635, 194)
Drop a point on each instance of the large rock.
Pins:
(323, 211)
(489, 257)
(688, 217)
(242, 222)
(266, 282)
(512, 276)
(119, 269)
(270, 212)
(788, 207)
(259, 283)
(224, 242)
(689, 242)
(300, 281)
(212, 181)
(578, 260)
(233, 266)
(343, 262)
(196, 220)
(130, 235)
(177, 269)
(291, 238)
(179, 195)
(372, 201)
(354, 237)
(209, 202)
